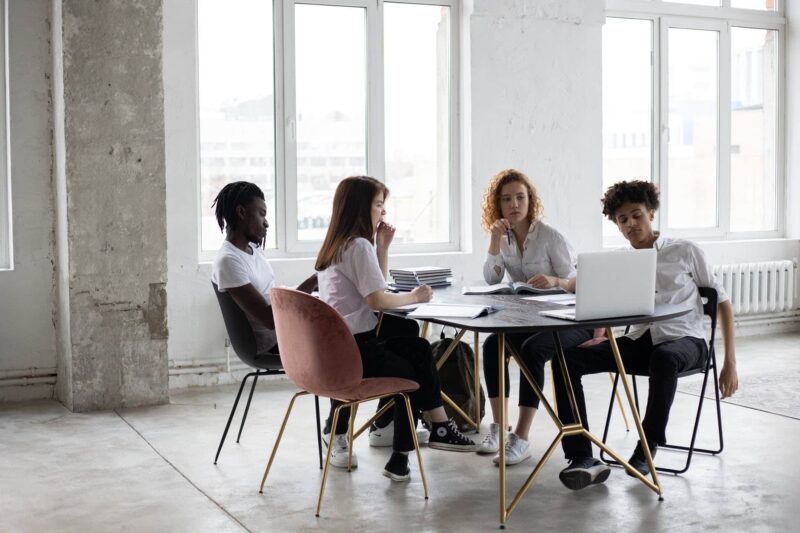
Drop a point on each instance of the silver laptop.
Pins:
(613, 284)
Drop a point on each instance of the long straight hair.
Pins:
(351, 217)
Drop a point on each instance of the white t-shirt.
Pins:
(234, 268)
(681, 267)
(545, 251)
(345, 285)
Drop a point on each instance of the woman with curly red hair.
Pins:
(529, 250)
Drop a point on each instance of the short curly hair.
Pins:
(491, 198)
(635, 191)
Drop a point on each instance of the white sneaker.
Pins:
(423, 435)
(517, 450)
(491, 442)
(339, 452)
(383, 437)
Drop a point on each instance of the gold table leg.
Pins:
(476, 376)
(634, 414)
(565, 430)
(501, 363)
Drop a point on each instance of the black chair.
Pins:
(244, 344)
(709, 308)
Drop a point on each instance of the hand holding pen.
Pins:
(502, 228)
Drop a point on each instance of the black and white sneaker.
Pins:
(397, 467)
(584, 472)
(447, 436)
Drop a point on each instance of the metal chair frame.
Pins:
(243, 340)
(710, 309)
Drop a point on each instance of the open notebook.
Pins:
(511, 287)
(451, 311)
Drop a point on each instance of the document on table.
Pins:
(404, 308)
(558, 299)
(451, 311)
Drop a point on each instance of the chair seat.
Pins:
(371, 387)
(266, 361)
(690, 372)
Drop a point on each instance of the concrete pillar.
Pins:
(110, 187)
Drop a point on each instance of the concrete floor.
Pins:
(150, 469)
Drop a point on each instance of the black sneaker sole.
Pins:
(397, 477)
(452, 447)
(580, 479)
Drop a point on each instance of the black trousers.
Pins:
(662, 363)
(407, 356)
(535, 350)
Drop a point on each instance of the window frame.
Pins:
(6, 219)
(663, 16)
(286, 231)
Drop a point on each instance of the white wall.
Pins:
(27, 335)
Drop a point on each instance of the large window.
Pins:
(704, 83)
(297, 95)
(6, 233)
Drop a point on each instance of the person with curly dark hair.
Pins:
(527, 249)
(661, 350)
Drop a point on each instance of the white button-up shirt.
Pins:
(681, 267)
(545, 251)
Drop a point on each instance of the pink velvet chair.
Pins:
(320, 355)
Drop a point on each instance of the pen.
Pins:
(508, 234)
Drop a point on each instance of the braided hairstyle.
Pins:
(233, 195)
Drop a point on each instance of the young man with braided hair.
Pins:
(240, 267)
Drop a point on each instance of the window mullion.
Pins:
(376, 163)
(456, 195)
(663, 123)
(281, 183)
(288, 128)
(656, 111)
(724, 152)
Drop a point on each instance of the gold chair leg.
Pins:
(328, 455)
(619, 404)
(424, 332)
(353, 411)
(416, 444)
(278, 440)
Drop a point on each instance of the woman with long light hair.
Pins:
(352, 266)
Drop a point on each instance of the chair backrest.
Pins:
(710, 309)
(240, 332)
(318, 352)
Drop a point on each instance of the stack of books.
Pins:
(406, 279)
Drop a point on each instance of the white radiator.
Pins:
(766, 287)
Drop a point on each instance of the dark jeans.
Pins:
(535, 350)
(406, 356)
(662, 363)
